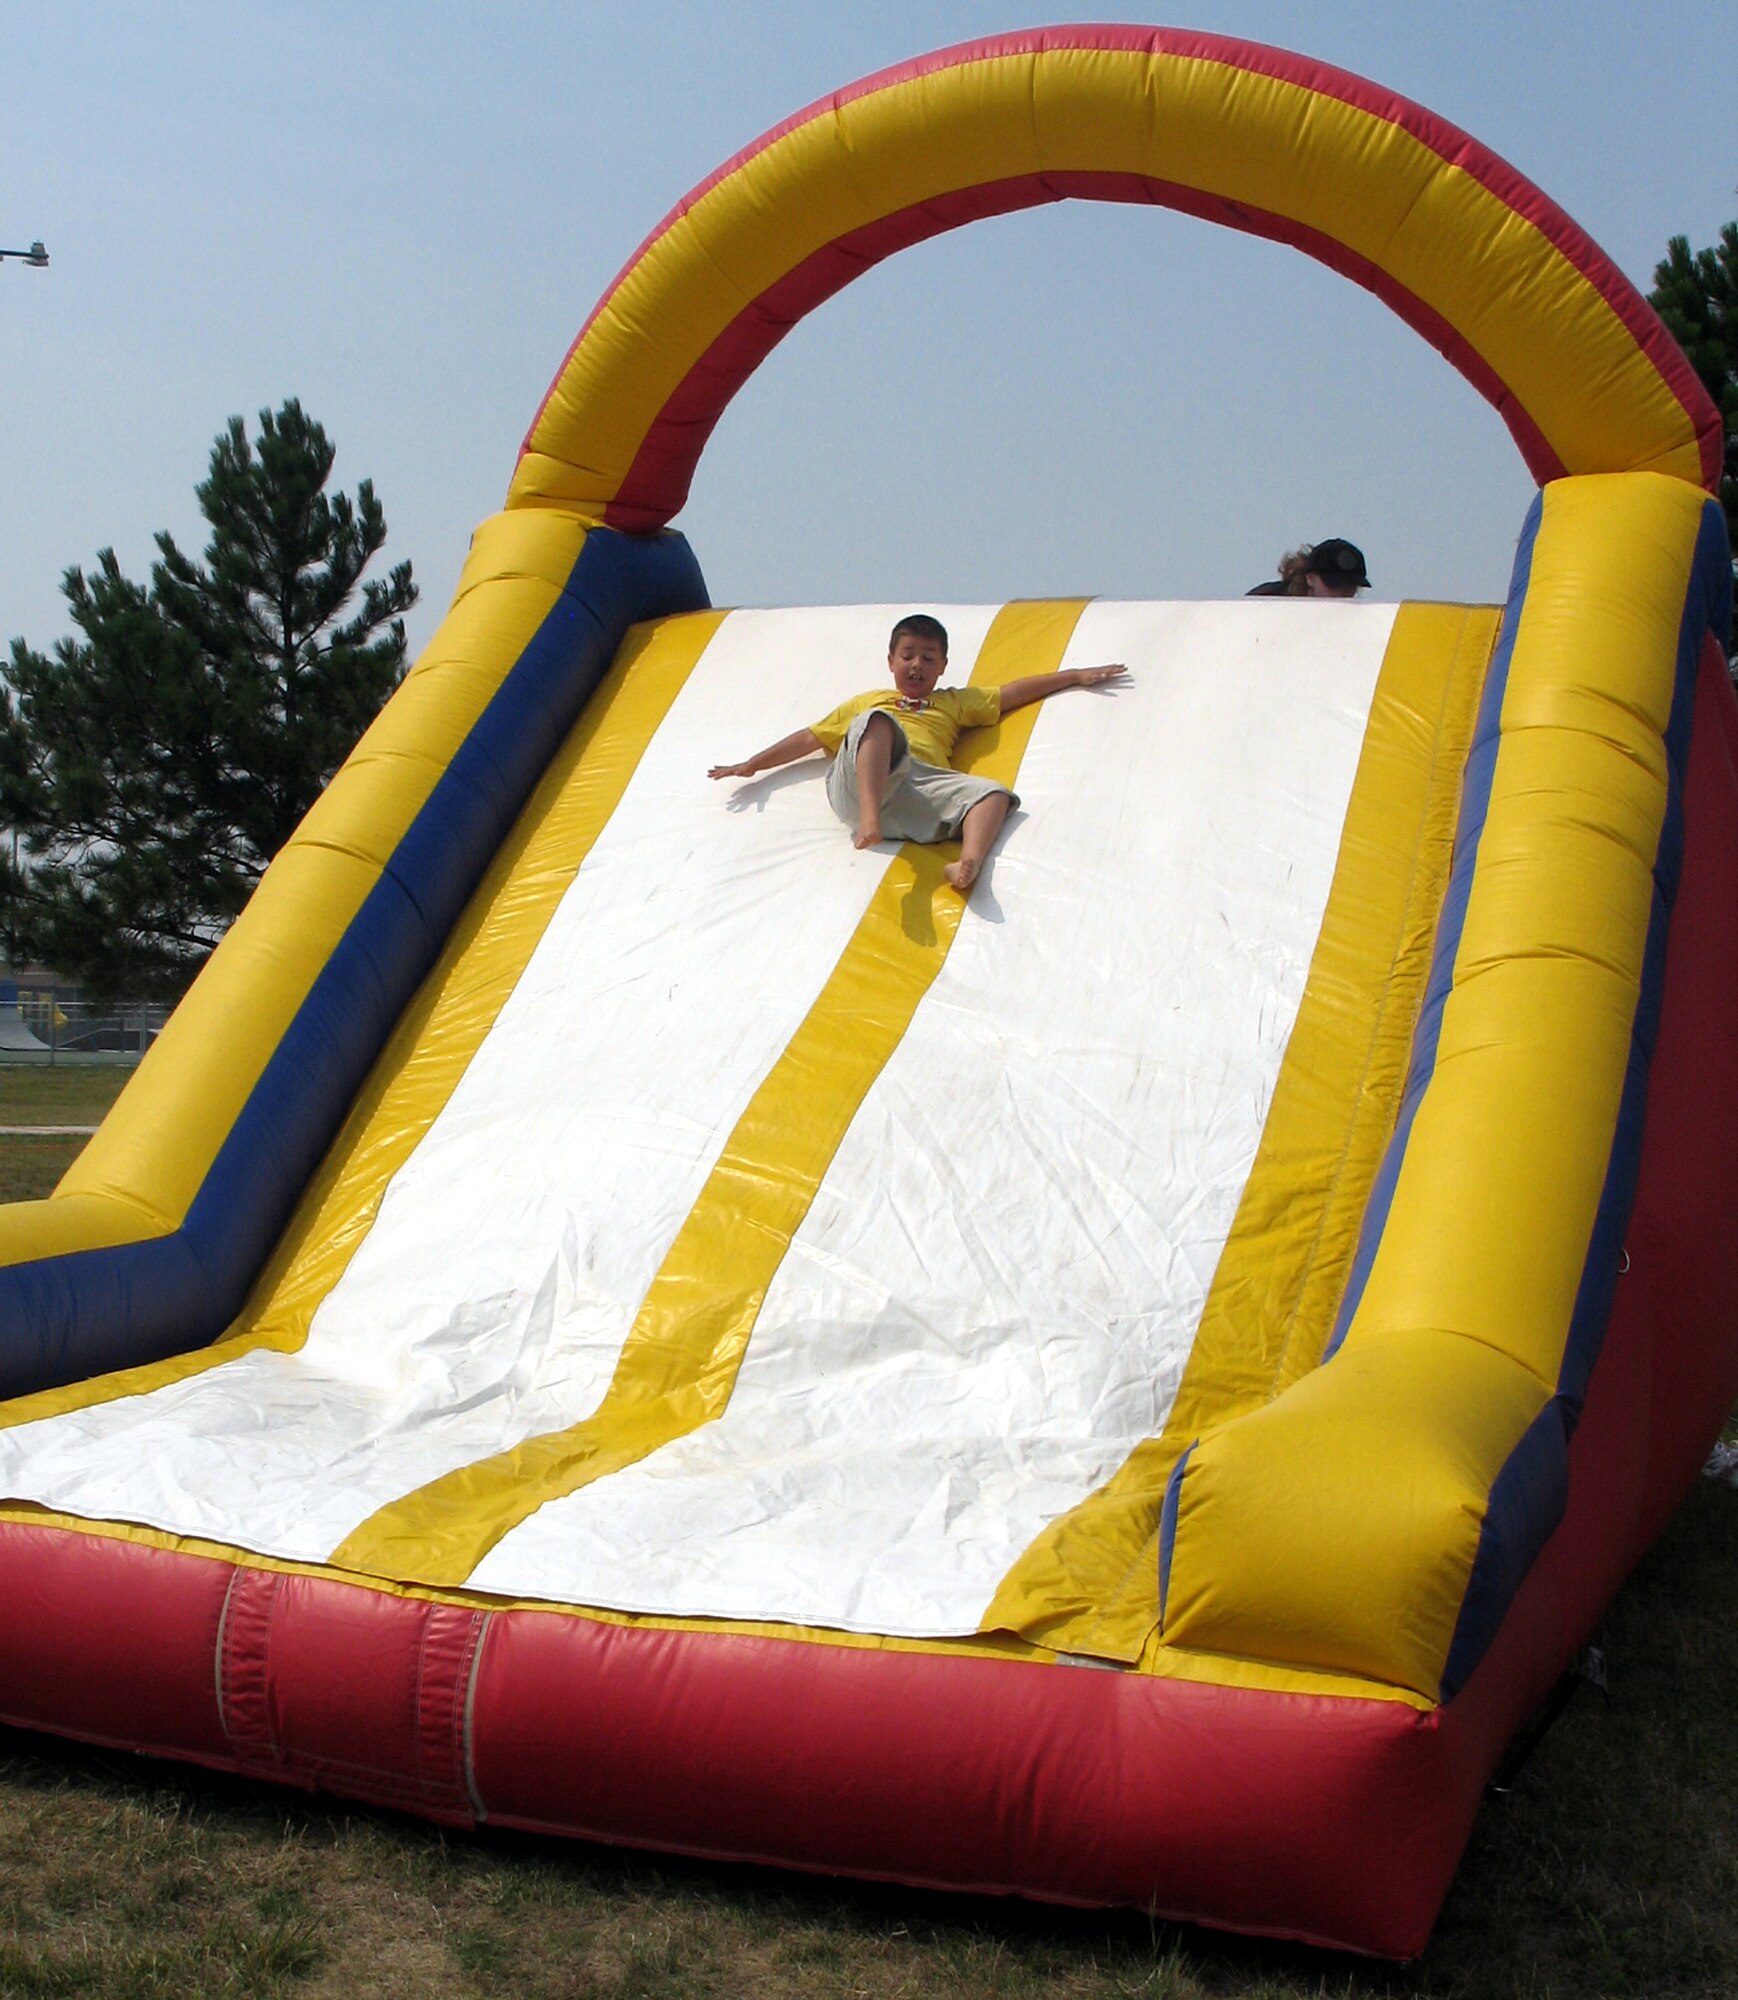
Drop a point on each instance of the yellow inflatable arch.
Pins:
(1463, 248)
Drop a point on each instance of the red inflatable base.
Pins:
(1337, 1820)
(1334, 1820)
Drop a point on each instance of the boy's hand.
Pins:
(1039, 687)
(800, 743)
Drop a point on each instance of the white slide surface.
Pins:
(993, 1294)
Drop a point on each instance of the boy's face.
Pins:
(916, 664)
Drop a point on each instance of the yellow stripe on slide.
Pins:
(446, 1022)
(1089, 1583)
(679, 1362)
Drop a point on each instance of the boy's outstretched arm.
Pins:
(800, 743)
(1016, 694)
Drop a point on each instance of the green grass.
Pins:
(1609, 1873)
(58, 1093)
(30, 1167)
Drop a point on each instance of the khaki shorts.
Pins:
(922, 802)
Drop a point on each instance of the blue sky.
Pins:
(402, 213)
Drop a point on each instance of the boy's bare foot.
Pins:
(962, 873)
(868, 834)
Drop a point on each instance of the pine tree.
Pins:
(151, 766)
(1696, 294)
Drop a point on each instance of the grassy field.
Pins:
(58, 1094)
(31, 1166)
(1610, 1870)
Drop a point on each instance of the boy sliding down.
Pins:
(890, 776)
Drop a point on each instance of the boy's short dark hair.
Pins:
(921, 626)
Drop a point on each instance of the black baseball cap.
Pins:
(1340, 562)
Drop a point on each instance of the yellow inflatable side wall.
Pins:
(148, 1246)
(1340, 1524)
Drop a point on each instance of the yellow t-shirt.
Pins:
(931, 731)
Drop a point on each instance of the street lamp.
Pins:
(34, 255)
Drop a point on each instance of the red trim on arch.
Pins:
(1448, 141)
(656, 484)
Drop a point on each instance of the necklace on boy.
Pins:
(913, 704)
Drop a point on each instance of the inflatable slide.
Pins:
(609, 1310)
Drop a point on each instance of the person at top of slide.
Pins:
(890, 778)
(1333, 568)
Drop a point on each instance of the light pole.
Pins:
(34, 255)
